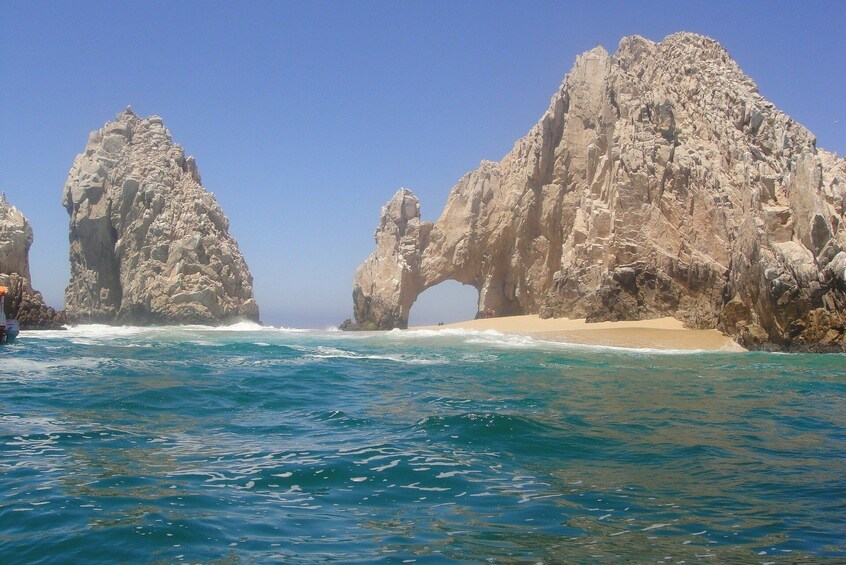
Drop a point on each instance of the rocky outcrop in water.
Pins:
(148, 244)
(15, 239)
(388, 283)
(658, 183)
(22, 302)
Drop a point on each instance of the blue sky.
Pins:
(306, 117)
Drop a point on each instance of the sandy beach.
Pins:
(660, 333)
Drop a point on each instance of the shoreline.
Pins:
(660, 333)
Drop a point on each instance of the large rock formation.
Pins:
(659, 182)
(148, 244)
(22, 302)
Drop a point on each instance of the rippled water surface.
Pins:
(248, 445)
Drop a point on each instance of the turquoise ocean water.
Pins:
(251, 445)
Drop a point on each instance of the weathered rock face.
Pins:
(27, 306)
(15, 239)
(659, 182)
(388, 283)
(22, 302)
(148, 244)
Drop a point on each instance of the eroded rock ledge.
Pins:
(658, 183)
(148, 244)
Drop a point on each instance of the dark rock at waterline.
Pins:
(21, 302)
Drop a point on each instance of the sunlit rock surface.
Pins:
(659, 182)
(148, 244)
(22, 302)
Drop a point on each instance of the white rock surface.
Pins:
(148, 244)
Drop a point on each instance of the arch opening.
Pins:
(447, 302)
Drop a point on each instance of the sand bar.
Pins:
(660, 333)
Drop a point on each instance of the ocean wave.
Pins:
(103, 331)
(16, 366)
(496, 338)
(210, 336)
(247, 326)
(106, 331)
(472, 425)
(324, 352)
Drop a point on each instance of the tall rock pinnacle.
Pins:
(658, 183)
(148, 244)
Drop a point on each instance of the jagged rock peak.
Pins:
(658, 182)
(390, 271)
(22, 302)
(15, 239)
(148, 243)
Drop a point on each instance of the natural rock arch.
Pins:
(448, 302)
(659, 182)
(412, 256)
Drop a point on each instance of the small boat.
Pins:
(11, 333)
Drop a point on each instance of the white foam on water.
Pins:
(326, 352)
(206, 343)
(108, 332)
(13, 424)
(100, 334)
(498, 339)
(94, 331)
(248, 326)
(446, 332)
(35, 367)
(240, 326)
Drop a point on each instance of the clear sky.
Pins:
(305, 117)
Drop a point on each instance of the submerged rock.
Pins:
(658, 183)
(22, 302)
(148, 244)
